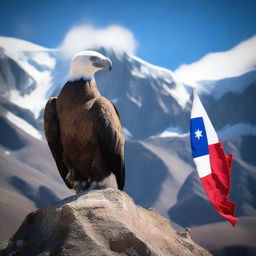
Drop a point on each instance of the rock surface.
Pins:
(99, 223)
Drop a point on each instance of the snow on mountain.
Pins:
(144, 69)
(24, 126)
(171, 132)
(235, 84)
(14, 46)
(147, 69)
(38, 63)
(235, 62)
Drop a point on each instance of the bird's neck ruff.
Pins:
(81, 71)
(89, 78)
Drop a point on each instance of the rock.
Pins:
(99, 223)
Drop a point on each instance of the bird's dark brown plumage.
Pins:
(85, 135)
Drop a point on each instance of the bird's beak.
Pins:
(103, 63)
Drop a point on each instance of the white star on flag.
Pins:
(198, 134)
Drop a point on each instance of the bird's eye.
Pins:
(92, 58)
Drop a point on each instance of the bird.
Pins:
(84, 130)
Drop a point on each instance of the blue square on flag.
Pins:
(198, 137)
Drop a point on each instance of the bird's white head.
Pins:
(86, 63)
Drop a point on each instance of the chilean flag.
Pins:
(213, 166)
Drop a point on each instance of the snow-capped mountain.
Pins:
(140, 90)
(154, 104)
(27, 84)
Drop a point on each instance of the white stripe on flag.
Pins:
(203, 165)
(199, 111)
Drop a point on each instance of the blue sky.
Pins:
(168, 33)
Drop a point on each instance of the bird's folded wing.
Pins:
(111, 137)
(52, 133)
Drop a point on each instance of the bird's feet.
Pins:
(79, 186)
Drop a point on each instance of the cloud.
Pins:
(87, 37)
(215, 66)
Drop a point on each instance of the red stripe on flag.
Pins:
(217, 184)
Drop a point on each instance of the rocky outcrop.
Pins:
(99, 223)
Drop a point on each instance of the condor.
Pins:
(83, 129)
